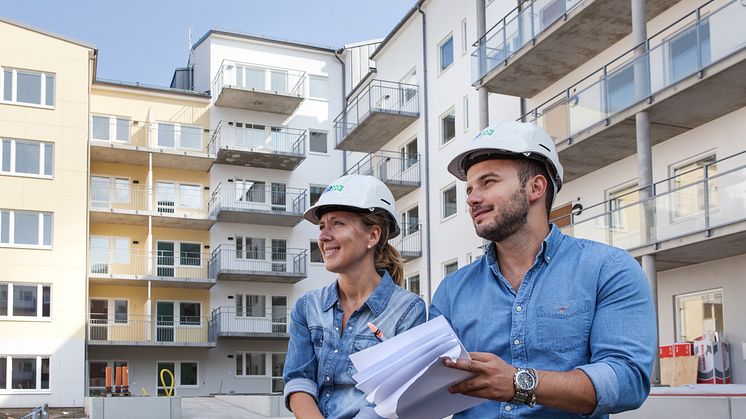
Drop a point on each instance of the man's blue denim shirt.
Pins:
(318, 358)
(582, 305)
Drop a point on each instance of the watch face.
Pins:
(525, 380)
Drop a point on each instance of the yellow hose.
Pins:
(170, 388)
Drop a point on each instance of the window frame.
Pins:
(13, 156)
(177, 316)
(38, 374)
(448, 263)
(272, 373)
(465, 112)
(111, 364)
(243, 364)
(177, 253)
(713, 205)
(10, 315)
(406, 217)
(112, 180)
(407, 161)
(464, 37)
(326, 147)
(443, 216)
(41, 225)
(677, 306)
(445, 141)
(177, 136)
(113, 128)
(441, 44)
(177, 374)
(310, 252)
(178, 204)
(14, 88)
(407, 284)
(318, 77)
(310, 186)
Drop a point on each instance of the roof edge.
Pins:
(47, 33)
(260, 38)
(151, 88)
(394, 31)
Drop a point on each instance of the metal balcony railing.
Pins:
(409, 242)
(163, 135)
(516, 29)
(389, 166)
(258, 138)
(244, 260)
(379, 96)
(676, 209)
(260, 78)
(690, 45)
(251, 197)
(148, 330)
(165, 199)
(228, 321)
(109, 262)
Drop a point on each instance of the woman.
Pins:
(356, 218)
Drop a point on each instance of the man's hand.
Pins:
(494, 377)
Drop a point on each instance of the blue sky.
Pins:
(144, 41)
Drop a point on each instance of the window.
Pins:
(464, 37)
(465, 103)
(410, 220)
(251, 363)
(189, 254)
(186, 374)
(28, 87)
(551, 12)
(446, 53)
(121, 311)
(412, 283)
(106, 251)
(179, 136)
(318, 87)
(110, 128)
(622, 213)
(317, 142)
(684, 49)
(409, 154)
(251, 305)
(97, 375)
(450, 267)
(447, 126)
(691, 188)
(408, 90)
(171, 255)
(189, 313)
(621, 88)
(189, 374)
(449, 201)
(170, 195)
(315, 192)
(250, 248)
(106, 191)
(26, 228)
(24, 157)
(25, 372)
(316, 256)
(698, 314)
(25, 300)
(278, 365)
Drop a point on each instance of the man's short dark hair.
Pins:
(528, 168)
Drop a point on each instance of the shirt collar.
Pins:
(377, 300)
(549, 247)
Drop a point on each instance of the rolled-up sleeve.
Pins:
(413, 316)
(623, 336)
(300, 363)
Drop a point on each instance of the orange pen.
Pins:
(376, 332)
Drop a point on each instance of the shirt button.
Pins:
(507, 408)
(518, 308)
(327, 378)
(336, 350)
(336, 328)
(549, 258)
(517, 342)
(326, 395)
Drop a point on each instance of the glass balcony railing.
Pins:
(244, 196)
(389, 166)
(258, 262)
(227, 321)
(149, 330)
(161, 135)
(258, 138)
(516, 29)
(118, 195)
(676, 208)
(121, 263)
(259, 78)
(379, 96)
(692, 44)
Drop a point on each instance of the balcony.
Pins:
(409, 242)
(283, 266)
(258, 87)
(399, 171)
(692, 73)
(537, 44)
(182, 331)
(170, 205)
(226, 322)
(114, 266)
(171, 145)
(693, 221)
(252, 145)
(377, 114)
(258, 203)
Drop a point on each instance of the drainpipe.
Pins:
(522, 100)
(426, 157)
(484, 110)
(344, 105)
(645, 159)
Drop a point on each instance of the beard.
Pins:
(510, 217)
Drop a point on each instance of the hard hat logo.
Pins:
(335, 188)
(486, 131)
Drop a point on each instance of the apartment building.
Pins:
(44, 134)
(680, 66)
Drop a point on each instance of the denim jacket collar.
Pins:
(377, 300)
(548, 247)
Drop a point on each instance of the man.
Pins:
(556, 326)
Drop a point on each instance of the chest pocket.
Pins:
(563, 326)
(317, 336)
(360, 343)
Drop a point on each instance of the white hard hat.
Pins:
(511, 138)
(358, 192)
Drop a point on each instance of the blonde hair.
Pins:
(387, 258)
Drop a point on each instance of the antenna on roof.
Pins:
(189, 39)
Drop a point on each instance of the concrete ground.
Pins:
(211, 408)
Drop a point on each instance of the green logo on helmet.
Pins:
(486, 131)
(335, 188)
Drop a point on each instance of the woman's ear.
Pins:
(374, 236)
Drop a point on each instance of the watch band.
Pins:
(525, 396)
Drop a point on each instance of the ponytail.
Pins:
(387, 258)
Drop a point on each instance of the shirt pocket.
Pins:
(563, 326)
(360, 343)
(317, 336)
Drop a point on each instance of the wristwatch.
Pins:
(525, 381)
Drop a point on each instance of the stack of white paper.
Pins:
(405, 376)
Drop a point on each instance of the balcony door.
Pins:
(165, 259)
(165, 195)
(279, 255)
(279, 314)
(99, 320)
(279, 197)
(164, 314)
